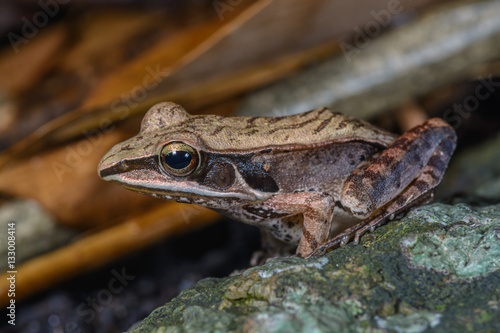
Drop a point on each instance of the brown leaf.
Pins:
(22, 65)
(97, 249)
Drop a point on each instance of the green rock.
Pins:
(436, 270)
(466, 250)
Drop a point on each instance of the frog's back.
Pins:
(314, 128)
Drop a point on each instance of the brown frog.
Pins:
(315, 179)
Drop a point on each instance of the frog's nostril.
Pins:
(123, 166)
(119, 167)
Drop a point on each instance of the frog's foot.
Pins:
(390, 213)
(272, 248)
(262, 257)
(258, 258)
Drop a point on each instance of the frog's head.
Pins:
(169, 159)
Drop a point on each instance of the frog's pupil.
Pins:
(178, 159)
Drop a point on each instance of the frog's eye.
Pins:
(179, 159)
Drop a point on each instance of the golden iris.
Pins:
(179, 159)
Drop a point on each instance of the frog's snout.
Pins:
(116, 168)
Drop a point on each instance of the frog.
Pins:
(311, 182)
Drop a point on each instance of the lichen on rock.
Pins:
(469, 248)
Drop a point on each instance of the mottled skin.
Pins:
(313, 180)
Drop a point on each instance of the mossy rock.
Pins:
(436, 270)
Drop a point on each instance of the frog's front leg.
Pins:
(317, 211)
(402, 176)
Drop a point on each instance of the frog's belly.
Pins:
(289, 229)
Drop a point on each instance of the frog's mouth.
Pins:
(177, 190)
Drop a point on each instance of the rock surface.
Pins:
(437, 269)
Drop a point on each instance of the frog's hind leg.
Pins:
(374, 190)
